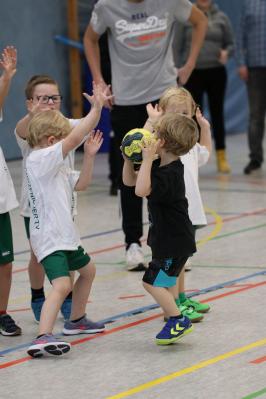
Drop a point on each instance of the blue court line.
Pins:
(150, 307)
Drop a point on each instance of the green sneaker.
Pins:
(190, 312)
(198, 306)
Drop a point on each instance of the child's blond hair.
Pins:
(177, 95)
(45, 124)
(179, 132)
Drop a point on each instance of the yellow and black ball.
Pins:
(130, 144)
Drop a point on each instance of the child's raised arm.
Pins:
(154, 114)
(89, 122)
(8, 62)
(205, 131)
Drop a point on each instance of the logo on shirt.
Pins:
(34, 211)
(138, 34)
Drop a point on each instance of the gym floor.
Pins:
(223, 358)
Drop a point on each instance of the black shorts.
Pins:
(164, 272)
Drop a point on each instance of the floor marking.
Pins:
(255, 394)
(188, 370)
(218, 221)
(155, 306)
(259, 360)
(131, 296)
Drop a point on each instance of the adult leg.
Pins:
(196, 86)
(123, 119)
(257, 108)
(216, 79)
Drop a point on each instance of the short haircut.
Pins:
(37, 80)
(178, 95)
(46, 124)
(179, 132)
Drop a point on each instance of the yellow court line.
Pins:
(187, 370)
(217, 228)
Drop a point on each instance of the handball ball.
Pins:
(130, 144)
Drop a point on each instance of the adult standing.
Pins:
(251, 58)
(209, 75)
(140, 35)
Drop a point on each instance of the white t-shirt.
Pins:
(25, 151)
(195, 158)
(8, 198)
(50, 186)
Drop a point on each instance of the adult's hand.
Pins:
(243, 73)
(184, 73)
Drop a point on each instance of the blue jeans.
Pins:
(256, 86)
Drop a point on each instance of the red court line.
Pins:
(18, 310)
(128, 325)
(239, 285)
(131, 296)
(213, 298)
(259, 360)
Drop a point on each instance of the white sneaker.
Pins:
(135, 259)
(188, 266)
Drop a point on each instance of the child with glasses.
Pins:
(54, 238)
(42, 93)
(161, 180)
(179, 101)
(8, 201)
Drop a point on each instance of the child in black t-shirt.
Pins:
(162, 182)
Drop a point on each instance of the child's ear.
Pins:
(51, 140)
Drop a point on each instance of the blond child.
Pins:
(8, 201)
(178, 100)
(162, 182)
(54, 238)
(42, 93)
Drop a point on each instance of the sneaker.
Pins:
(48, 345)
(191, 313)
(83, 326)
(188, 266)
(66, 308)
(198, 306)
(173, 330)
(36, 306)
(252, 165)
(135, 259)
(8, 326)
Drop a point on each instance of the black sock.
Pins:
(42, 335)
(69, 296)
(75, 321)
(176, 317)
(37, 294)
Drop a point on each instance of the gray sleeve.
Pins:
(182, 10)
(228, 37)
(97, 21)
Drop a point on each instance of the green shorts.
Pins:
(27, 226)
(60, 263)
(6, 239)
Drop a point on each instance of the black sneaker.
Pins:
(8, 326)
(252, 165)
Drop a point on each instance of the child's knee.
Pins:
(6, 270)
(64, 286)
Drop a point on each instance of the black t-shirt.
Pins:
(171, 232)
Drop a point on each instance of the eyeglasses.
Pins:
(56, 98)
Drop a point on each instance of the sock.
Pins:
(37, 294)
(2, 312)
(177, 301)
(176, 317)
(69, 296)
(182, 297)
(75, 321)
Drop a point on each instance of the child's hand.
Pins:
(149, 149)
(93, 143)
(37, 107)
(203, 122)
(9, 61)
(101, 95)
(154, 113)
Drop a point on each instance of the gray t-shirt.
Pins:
(140, 39)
